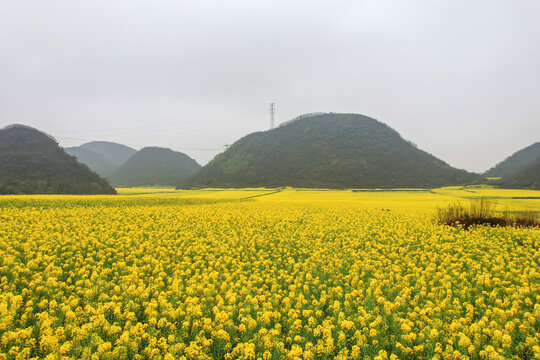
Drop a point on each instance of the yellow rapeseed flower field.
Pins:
(265, 274)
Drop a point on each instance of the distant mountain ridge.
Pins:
(327, 150)
(31, 162)
(104, 157)
(93, 160)
(114, 152)
(153, 166)
(516, 162)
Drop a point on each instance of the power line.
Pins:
(157, 129)
(141, 146)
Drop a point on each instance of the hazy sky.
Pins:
(461, 79)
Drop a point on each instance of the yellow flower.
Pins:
(292, 274)
(222, 334)
(464, 341)
(104, 347)
(347, 325)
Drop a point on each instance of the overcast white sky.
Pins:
(459, 78)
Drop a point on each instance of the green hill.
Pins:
(516, 162)
(327, 151)
(154, 166)
(31, 162)
(527, 178)
(93, 160)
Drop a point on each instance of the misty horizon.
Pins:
(75, 142)
(458, 79)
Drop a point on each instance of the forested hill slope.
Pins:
(527, 178)
(327, 151)
(31, 162)
(516, 162)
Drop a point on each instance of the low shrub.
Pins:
(483, 212)
(522, 218)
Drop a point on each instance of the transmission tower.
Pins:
(272, 111)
